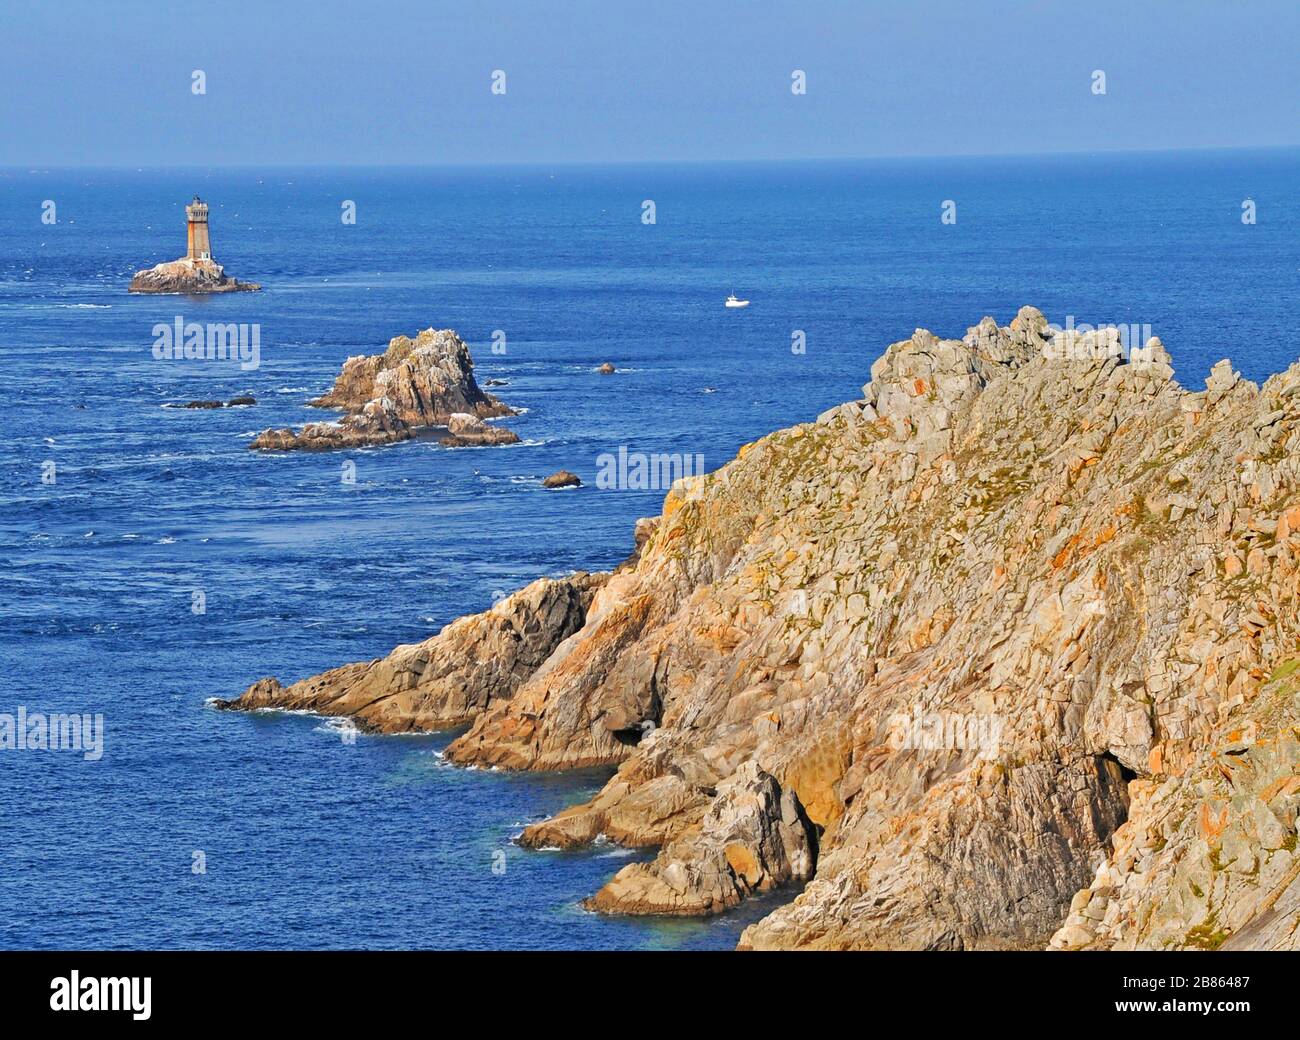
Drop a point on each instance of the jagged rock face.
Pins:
(1207, 857)
(1022, 592)
(595, 699)
(428, 379)
(188, 276)
(753, 837)
(447, 679)
(989, 534)
(390, 397)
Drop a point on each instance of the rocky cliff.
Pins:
(1002, 655)
(416, 383)
(188, 276)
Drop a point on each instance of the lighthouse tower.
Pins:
(196, 271)
(196, 230)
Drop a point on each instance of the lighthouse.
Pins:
(196, 271)
(196, 231)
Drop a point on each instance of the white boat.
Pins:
(733, 302)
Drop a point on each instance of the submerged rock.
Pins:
(415, 384)
(1014, 613)
(234, 402)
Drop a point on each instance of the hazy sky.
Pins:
(388, 81)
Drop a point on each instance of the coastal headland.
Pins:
(1002, 654)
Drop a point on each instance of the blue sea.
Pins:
(305, 840)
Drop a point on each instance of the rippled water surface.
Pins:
(312, 842)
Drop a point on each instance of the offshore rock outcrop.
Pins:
(465, 431)
(562, 478)
(1003, 654)
(245, 401)
(415, 384)
(191, 276)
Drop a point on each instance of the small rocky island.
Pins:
(196, 272)
(415, 385)
(562, 479)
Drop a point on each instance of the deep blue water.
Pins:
(311, 842)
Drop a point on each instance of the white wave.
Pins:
(338, 726)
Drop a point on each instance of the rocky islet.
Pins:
(414, 386)
(188, 277)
